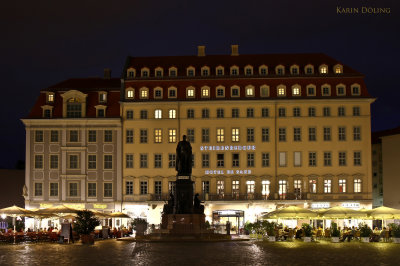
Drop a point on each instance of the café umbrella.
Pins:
(15, 211)
(341, 213)
(291, 212)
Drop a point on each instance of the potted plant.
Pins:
(85, 223)
(270, 229)
(365, 232)
(395, 232)
(307, 232)
(140, 226)
(335, 233)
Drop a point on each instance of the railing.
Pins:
(238, 197)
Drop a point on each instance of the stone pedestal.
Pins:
(184, 224)
(184, 195)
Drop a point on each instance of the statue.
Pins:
(24, 191)
(197, 207)
(184, 158)
(169, 207)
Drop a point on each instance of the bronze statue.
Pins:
(184, 158)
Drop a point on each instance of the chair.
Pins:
(290, 235)
(319, 234)
(327, 233)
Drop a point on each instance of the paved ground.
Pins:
(111, 252)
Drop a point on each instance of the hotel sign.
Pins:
(228, 172)
(351, 205)
(228, 148)
(320, 205)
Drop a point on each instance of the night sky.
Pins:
(45, 42)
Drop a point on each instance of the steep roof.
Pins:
(86, 84)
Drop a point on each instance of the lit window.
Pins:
(130, 94)
(296, 91)
(205, 92)
(342, 185)
(323, 70)
(220, 135)
(190, 92)
(158, 114)
(158, 135)
(172, 114)
(235, 135)
(338, 69)
(249, 91)
(172, 135)
(144, 93)
(102, 97)
(250, 186)
(283, 187)
(50, 97)
(281, 91)
(312, 185)
(327, 186)
(357, 185)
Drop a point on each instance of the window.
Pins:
(131, 73)
(311, 112)
(280, 70)
(342, 133)
(297, 158)
(281, 91)
(172, 92)
(323, 69)
(205, 160)
(145, 73)
(338, 69)
(102, 97)
(130, 93)
(263, 70)
(327, 159)
(205, 135)
(342, 185)
(129, 187)
(248, 71)
(220, 71)
(235, 189)
(282, 134)
(92, 189)
(326, 91)
(355, 90)
(265, 159)
(357, 158)
(143, 160)
(143, 136)
(108, 161)
(220, 92)
(73, 162)
(312, 134)
(205, 71)
(250, 135)
(92, 161)
(220, 113)
(326, 111)
(327, 133)
(172, 135)
(190, 135)
(282, 112)
(309, 70)
(327, 186)
(38, 136)
(158, 114)
(342, 158)
(143, 114)
(296, 112)
(73, 189)
(101, 112)
(158, 72)
(205, 113)
(47, 113)
(357, 185)
(282, 159)
(220, 135)
(356, 133)
(157, 135)
(108, 190)
(312, 185)
(235, 135)
(157, 160)
(341, 111)
(220, 188)
(234, 71)
(53, 161)
(129, 136)
(190, 113)
(53, 136)
(283, 187)
(235, 91)
(144, 93)
(172, 114)
(190, 92)
(205, 92)
(108, 136)
(341, 90)
(250, 159)
(172, 72)
(265, 134)
(53, 189)
(157, 187)
(73, 135)
(171, 160)
(264, 91)
(249, 91)
(50, 97)
(235, 160)
(235, 112)
(312, 159)
(129, 160)
(92, 136)
(129, 115)
(74, 108)
(356, 111)
(220, 160)
(297, 188)
(294, 70)
(264, 112)
(296, 91)
(311, 91)
(296, 134)
(38, 189)
(250, 112)
(38, 161)
(250, 188)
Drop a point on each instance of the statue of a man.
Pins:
(184, 158)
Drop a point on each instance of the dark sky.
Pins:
(45, 42)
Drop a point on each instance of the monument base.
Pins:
(184, 224)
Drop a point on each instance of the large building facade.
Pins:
(266, 131)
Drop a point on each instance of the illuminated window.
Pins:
(297, 158)
(312, 185)
(282, 189)
(220, 188)
(338, 69)
(172, 113)
(220, 135)
(327, 186)
(297, 187)
(250, 186)
(235, 189)
(323, 69)
(50, 97)
(235, 135)
(250, 91)
(265, 188)
(158, 135)
(205, 92)
(296, 91)
(190, 92)
(357, 185)
(158, 114)
(281, 91)
(130, 93)
(282, 159)
(342, 185)
(144, 93)
(172, 135)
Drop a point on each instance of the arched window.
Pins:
(74, 108)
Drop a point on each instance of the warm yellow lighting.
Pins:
(45, 205)
(100, 206)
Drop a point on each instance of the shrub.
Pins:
(137, 222)
(335, 231)
(270, 228)
(365, 230)
(307, 229)
(85, 222)
(395, 230)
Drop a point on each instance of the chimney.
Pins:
(201, 50)
(107, 73)
(235, 49)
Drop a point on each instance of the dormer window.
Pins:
(219, 71)
(248, 70)
(281, 91)
(323, 69)
(205, 92)
(340, 90)
(338, 69)
(50, 97)
(145, 72)
(130, 93)
(190, 71)
(102, 97)
(309, 69)
(158, 93)
(234, 71)
(101, 113)
(296, 90)
(205, 71)
(74, 108)
(280, 70)
(131, 73)
(74, 104)
(264, 91)
(220, 92)
(294, 70)
(171, 92)
(144, 93)
(249, 91)
(311, 90)
(47, 113)
(235, 91)
(263, 70)
(173, 72)
(190, 92)
(326, 90)
(355, 89)
(158, 72)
